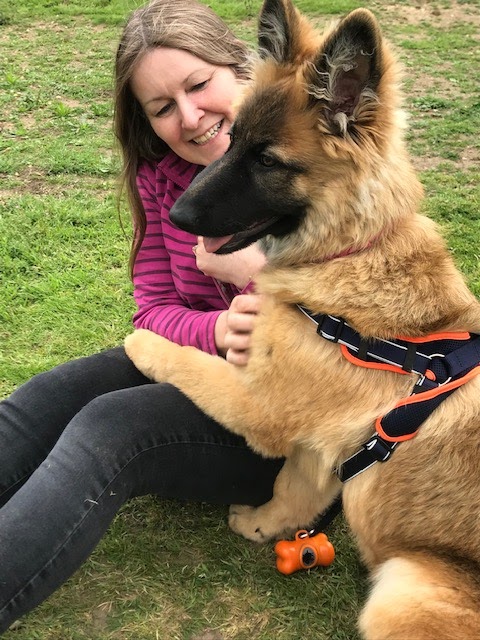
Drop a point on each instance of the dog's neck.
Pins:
(274, 253)
(350, 250)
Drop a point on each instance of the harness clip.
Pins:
(378, 448)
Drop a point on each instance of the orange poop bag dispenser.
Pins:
(305, 552)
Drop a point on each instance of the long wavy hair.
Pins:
(178, 24)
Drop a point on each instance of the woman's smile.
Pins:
(208, 135)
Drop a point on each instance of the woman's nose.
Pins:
(190, 113)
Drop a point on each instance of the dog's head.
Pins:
(316, 163)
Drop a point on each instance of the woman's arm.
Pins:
(174, 298)
(183, 296)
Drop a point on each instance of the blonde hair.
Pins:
(178, 24)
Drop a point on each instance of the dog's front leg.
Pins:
(217, 387)
(304, 488)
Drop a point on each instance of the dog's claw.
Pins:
(243, 519)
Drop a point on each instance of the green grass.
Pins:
(166, 570)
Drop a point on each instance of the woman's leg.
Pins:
(148, 439)
(35, 415)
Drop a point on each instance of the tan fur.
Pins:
(417, 517)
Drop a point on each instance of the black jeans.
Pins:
(77, 442)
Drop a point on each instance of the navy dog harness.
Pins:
(443, 362)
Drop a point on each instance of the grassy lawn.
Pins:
(165, 570)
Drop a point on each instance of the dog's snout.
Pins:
(184, 216)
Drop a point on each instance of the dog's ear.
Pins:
(347, 70)
(279, 31)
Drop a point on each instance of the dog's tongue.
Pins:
(212, 244)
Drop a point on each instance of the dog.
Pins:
(318, 174)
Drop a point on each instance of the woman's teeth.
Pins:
(211, 133)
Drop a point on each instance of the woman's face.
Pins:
(187, 101)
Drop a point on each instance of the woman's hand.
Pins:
(234, 327)
(237, 268)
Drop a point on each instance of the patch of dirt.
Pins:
(31, 32)
(28, 121)
(470, 159)
(208, 634)
(99, 616)
(427, 11)
(424, 163)
(36, 182)
(423, 84)
(70, 102)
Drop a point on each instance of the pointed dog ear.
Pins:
(277, 30)
(348, 69)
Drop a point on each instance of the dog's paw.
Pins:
(247, 522)
(148, 351)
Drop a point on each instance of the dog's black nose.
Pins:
(183, 215)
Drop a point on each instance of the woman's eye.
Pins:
(163, 111)
(199, 86)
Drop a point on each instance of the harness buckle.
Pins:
(378, 448)
(445, 372)
(424, 384)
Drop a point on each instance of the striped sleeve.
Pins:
(173, 297)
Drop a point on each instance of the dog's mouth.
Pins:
(239, 240)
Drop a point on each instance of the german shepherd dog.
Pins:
(318, 173)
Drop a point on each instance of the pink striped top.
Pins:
(174, 298)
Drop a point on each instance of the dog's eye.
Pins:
(266, 160)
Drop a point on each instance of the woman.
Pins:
(78, 441)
